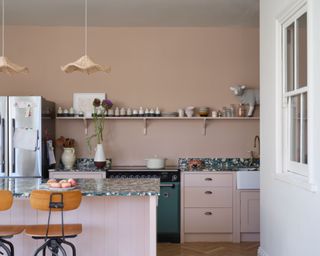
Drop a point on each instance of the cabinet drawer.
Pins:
(208, 220)
(208, 197)
(209, 179)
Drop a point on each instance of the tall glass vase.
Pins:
(99, 157)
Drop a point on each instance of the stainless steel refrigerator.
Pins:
(27, 123)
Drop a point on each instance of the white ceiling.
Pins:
(133, 12)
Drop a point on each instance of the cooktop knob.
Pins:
(174, 177)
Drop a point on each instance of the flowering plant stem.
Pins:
(99, 112)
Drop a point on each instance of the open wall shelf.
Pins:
(145, 120)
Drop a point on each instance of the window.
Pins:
(295, 93)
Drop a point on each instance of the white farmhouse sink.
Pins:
(248, 178)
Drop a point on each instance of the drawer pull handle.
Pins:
(208, 192)
(208, 213)
(208, 179)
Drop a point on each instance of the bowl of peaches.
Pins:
(62, 185)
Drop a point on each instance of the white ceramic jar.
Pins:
(68, 158)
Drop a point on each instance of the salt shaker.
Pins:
(151, 112)
(117, 112)
(158, 113)
(129, 112)
(122, 112)
(141, 112)
(146, 112)
(60, 111)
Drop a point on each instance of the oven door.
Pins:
(168, 221)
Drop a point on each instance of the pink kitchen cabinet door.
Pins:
(250, 211)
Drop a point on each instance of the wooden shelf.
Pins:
(145, 120)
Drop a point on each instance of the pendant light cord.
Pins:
(86, 28)
(2, 27)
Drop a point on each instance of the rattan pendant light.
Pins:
(85, 64)
(7, 66)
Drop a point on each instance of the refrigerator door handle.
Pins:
(38, 144)
(13, 149)
(3, 144)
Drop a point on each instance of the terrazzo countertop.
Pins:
(78, 170)
(22, 187)
(217, 164)
(206, 170)
(217, 170)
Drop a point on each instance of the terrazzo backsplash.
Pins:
(86, 164)
(218, 164)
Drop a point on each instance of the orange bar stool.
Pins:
(7, 231)
(55, 235)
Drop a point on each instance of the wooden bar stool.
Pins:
(55, 235)
(7, 231)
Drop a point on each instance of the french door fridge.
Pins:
(27, 123)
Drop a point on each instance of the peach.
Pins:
(66, 185)
(55, 185)
(51, 181)
(72, 182)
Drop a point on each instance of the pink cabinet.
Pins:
(250, 211)
(208, 197)
(207, 206)
(208, 220)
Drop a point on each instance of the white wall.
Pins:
(290, 216)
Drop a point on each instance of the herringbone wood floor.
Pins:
(208, 249)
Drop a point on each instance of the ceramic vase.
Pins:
(99, 157)
(68, 157)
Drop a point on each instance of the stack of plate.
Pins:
(169, 114)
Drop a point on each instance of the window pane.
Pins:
(295, 126)
(290, 58)
(305, 130)
(302, 51)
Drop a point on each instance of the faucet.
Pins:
(257, 139)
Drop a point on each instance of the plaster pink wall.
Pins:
(166, 67)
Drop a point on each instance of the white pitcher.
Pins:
(99, 157)
(68, 158)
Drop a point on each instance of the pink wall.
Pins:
(166, 67)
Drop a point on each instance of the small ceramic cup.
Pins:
(181, 112)
(214, 114)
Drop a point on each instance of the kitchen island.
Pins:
(118, 216)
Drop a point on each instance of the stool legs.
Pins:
(6, 244)
(72, 247)
(5, 248)
(55, 246)
(10, 245)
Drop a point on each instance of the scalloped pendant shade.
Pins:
(6, 65)
(85, 64)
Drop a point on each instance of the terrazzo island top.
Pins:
(22, 187)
